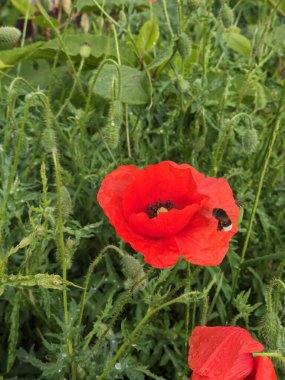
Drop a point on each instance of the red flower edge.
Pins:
(224, 353)
(166, 211)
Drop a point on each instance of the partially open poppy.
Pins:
(168, 210)
(224, 353)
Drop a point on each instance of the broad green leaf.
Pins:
(238, 43)
(136, 87)
(89, 4)
(280, 5)
(3, 65)
(12, 56)
(148, 36)
(22, 5)
(101, 46)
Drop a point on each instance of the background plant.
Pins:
(200, 82)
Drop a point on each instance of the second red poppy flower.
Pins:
(168, 210)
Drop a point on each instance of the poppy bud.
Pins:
(9, 35)
(227, 16)
(271, 329)
(122, 16)
(260, 99)
(66, 5)
(49, 140)
(250, 141)
(111, 131)
(84, 22)
(85, 51)
(184, 45)
(131, 267)
(193, 4)
(66, 203)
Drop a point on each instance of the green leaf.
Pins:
(89, 4)
(49, 281)
(136, 87)
(280, 5)
(148, 36)
(22, 5)
(12, 56)
(14, 331)
(161, 58)
(238, 43)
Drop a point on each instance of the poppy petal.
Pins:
(264, 369)
(161, 253)
(201, 243)
(217, 349)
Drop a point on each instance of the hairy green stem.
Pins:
(47, 19)
(272, 139)
(140, 325)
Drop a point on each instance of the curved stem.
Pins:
(139, 326)
(89, 273)
(260, 185)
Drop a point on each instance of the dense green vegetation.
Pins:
(98, 84)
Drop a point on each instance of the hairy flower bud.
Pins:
(271, 330)
(131, 267)
(111, 131)
(184, 45)
(9, 35)
(227, 16)
(250, 141)
(194, 4)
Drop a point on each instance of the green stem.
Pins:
(167, 19)
(61, 242)
(24, 33)
(140, 325)
(116, 315)
(274, 355)
(260, 185)
(71, 92)
(46, 17)
(88, 276)
(15, 164)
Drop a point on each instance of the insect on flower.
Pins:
(224, 222)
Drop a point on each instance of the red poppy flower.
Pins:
(166, 211)
(224, 353)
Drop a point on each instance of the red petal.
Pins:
(215, 349)
(165, 224)
(200, 242)
(264, 369)
(161, 253)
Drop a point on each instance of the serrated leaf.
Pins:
(49, 281)
(14, 331)
(148, 36)
(90, 4)
(12, 56)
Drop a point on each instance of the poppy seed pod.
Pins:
(184, 45)
(85, 51)
(250, 141)
(9, 35)
(227, 16)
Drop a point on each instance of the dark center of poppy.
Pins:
(155, 209)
